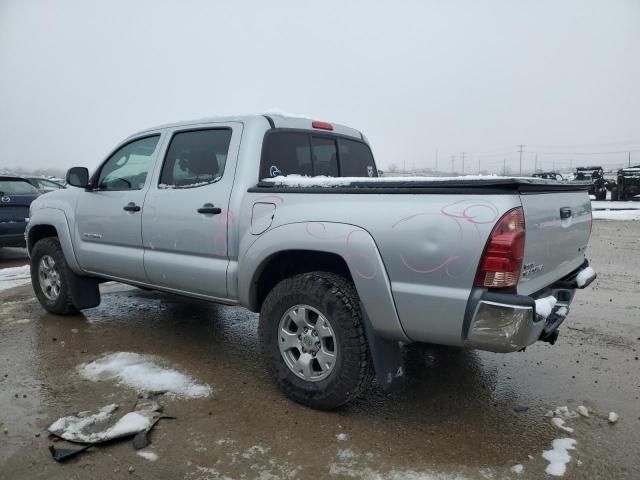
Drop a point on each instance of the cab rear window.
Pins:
(310, 154)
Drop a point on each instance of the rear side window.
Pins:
(195, 158)
(310, 154)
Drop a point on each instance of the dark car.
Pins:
(595, 175)
(549, 176)
(628, 184)
(44, 185)
(16, 195)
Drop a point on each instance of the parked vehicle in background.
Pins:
(549, 176)
(595, 175)
(627, 184)
(44, 185)
(16, 195)
(285, 216)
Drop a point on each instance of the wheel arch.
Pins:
(52, 222)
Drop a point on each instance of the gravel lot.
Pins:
(463, 414)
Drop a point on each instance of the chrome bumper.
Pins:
(499, 322)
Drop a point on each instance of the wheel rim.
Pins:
(307, 343)
(49, 277)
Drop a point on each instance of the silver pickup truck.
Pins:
(286, 217)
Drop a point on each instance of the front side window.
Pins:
(195, 158)
(128, 167)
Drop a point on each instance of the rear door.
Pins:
(109, 216)
(558, 226)
(186, 214)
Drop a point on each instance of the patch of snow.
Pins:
(323, 181)
(517, 469)
(544, 306)
(346, 453)
(562, 311)
(564, 412)
(255, 450)
(582, 410)
(558, 457)
(613, 417)
(282, 113)
(14, 277)
(151, 456)
(132, 422)
(559, 423)
(342, 437)
(585, 275)
(143, 374)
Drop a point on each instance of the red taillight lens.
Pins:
(322, 125)
(502, 259)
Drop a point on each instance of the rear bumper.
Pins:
(504, 322)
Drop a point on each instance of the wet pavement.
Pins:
(462, 414)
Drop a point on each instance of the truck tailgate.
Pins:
(558, 226)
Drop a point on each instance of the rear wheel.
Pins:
(50, 277)
(314, 341)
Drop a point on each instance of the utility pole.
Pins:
(453, 159)
(536, 166)
(521, 147)
(478, 166)
(436, 171)
(463, 154)
(629, 159)
(504, 167)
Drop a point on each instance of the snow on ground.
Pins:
(142, 373)
(559, 423)
(517, 469)
(151, 456)
(342, 437)
(558, 456)
(14, 277)
(603, 210)
(613, 417)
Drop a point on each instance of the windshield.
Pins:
(9, 186)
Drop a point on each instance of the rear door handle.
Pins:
(208, 208)
(131, 207)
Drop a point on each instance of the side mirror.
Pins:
(78, 177)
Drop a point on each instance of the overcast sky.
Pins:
(560, 77)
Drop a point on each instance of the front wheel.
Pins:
(314, 341)
(50, 277)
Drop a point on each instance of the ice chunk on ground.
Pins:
(143, 374)
(517, 469)
(582, 410)
(584, 275)
(613, 417)
(564, 412)
(544, 306)
(559, 423)
(558, 456)
(14, 277)
(151, 456)
(342, 437)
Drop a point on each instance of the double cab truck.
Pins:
(627, 184)
(287, 217)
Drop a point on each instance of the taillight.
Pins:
(321, 125)
(501, 262)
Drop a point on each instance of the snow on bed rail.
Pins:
(323, 181)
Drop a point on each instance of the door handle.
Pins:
(131, 207)
(565, 212)
(208, 208)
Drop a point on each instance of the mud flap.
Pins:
(386, 356)
(84, 291)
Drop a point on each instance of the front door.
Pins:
(109, 214)
(186, 219)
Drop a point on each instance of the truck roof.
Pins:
(273, 119)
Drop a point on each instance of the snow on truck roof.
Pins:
(280, 120)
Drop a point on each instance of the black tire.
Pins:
(337, 299)
(62, 304)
